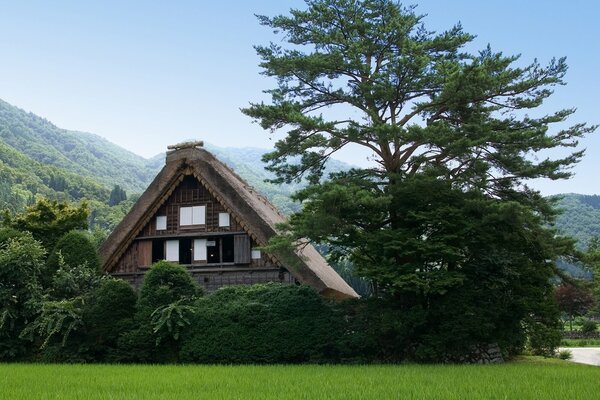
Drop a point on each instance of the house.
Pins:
(199, 213)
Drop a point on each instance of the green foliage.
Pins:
(445, 226)
(166, 283)
(75, 248)
(377, 61)
(21, 262)
(109, 313)
(9, 233)
(268, 323)
(172, 319)
(117, 195)
(56, 319)
(162, 312)
(580, 217)
(74, 154)
(73, 280)
(589, 326)
(565, 354)
(49, 220)
(580, 342)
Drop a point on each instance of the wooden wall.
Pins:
(213, 280)
(190, 192)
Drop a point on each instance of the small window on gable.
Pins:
(223, 220)
(195, 215)
(256, 254)
(161, 223)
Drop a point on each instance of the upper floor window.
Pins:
(161, 223)
(195, 215)
(223, 220)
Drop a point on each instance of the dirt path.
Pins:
(584, 355)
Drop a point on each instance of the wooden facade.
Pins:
(199, 213)
(228, 257)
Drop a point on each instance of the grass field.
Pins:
(580, 343)
(526, 379)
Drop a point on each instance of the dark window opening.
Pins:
(185, 251)
(213, 255)
(158, 250)
(227, 243)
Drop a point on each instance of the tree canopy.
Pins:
(369, 73)
(444, 220)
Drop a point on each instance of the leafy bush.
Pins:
(76, 248)
(109, 314)
(21, 262)
(565, 354)
(155, 336)
(166, 283)
(266, 323)
(589, 326)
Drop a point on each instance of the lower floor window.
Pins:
(212, 250)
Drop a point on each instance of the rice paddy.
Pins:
(529, 378)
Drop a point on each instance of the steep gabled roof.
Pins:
(255, 213)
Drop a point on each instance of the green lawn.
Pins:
(526, 379)
(580, 343)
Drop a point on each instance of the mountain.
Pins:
(580, 217)
(80, 153)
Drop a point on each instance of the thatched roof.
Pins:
(255, 213)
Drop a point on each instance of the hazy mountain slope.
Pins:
(22, 178)
(76, 152)
(580, 217)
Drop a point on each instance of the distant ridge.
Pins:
(80, 153)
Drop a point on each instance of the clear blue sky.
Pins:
(148, 74)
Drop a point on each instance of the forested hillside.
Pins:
(80, 153)
(580, 217)
(21, 178)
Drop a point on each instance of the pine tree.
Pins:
(445, 220)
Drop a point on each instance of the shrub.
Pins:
(164, 284)
(21, 262)
(76, 248)
(565, 354)
(266, 323)
(589, 326)
(108, 314)
(9, 233)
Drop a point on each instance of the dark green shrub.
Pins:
(164, 284)
(21, 263)
(108, 315)
(589, 326)
(267, 323)
(76, 248)
(9, 233)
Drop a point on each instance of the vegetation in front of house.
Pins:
(56, 306)
(546, 379)
(565, 342)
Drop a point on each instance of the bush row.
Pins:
(67, 311)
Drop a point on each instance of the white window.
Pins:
(223, 219)
(255, 254)
(199, 249)
(172, 250)
(161, 223)
(192, 215)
